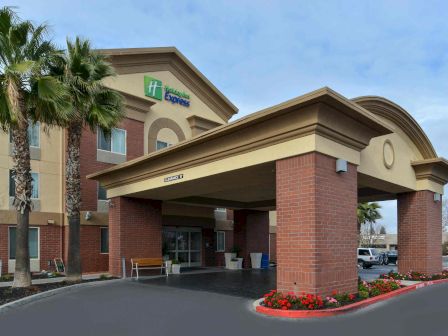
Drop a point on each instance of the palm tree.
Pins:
(93, 105)
(27, 94)
(368, 214)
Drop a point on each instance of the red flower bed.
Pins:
(292, 301)
(415, 276)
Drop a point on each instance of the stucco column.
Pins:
(135, 231)
(316, 225)
(419, 232)
(251, 233)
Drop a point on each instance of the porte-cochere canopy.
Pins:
(284, 158)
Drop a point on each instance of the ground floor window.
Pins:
(220, 241)
(184, 245)
(33, 239)
(104, 240)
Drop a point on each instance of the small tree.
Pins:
(368, 214)
(382, 230)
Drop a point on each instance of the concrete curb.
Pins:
(341, 310)
(35, 297)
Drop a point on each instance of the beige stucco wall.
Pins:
(134, 84)
(401, 173)
(49, 168)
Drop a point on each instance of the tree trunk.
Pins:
(73, 201)
(22, 202)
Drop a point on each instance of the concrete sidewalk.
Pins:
(55, 280)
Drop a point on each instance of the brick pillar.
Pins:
(419, 232)
(316, 225)
(135, 231)
(251, 233)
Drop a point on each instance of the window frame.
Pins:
(98, 186)
(167, 144)
(101, 239)
(111, 142)
(30, 124)
(38, 185)
(38, 241)
(223, 233)
(38, 133)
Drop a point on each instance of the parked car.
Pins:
(367, 257)
(392, 257)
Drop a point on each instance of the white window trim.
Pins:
(38, 133)
(39, 138)
(38, 241)
(101, 229)
(111, 149)
(224, 241)
(38, 185)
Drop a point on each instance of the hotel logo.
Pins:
(153, 88)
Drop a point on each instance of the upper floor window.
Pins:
(34, 185)
(162, 144)
(102, 194)
(33, 134)
(114, 142)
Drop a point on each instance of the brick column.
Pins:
(419, 232)
(251, 233)
(135, 231)
(316, 225)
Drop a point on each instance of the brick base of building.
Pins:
(316, 225)
(419, 232)
(251, 233)
(135, 231)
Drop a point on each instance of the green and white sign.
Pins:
(153, 88)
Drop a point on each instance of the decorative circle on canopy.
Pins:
(388, 154)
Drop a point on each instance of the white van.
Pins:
(367, 257)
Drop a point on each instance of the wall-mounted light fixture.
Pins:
(88, 215)
(341, 166)
(437, 197)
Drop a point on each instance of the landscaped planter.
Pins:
(175, 268)
(255, 259)
(314, 313)
(228, 257)
(233, 264)
(240, 263)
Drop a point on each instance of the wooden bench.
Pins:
(147, 263)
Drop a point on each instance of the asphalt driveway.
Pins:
(133, 308)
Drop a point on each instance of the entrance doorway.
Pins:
(184, 244)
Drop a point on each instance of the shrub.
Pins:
(363, 294)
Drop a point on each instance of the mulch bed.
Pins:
(9, 294)
(10, 277)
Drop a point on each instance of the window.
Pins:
(33, 239)
(34, 185)
(162, 144)
(33, 134)
(220, 241)
(102, 196)
(364, 252)
(114, 142)
(104, 240)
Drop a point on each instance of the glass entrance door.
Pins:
(183, 244)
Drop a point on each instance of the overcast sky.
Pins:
(260, 53)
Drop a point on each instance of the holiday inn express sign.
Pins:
(154, 88)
